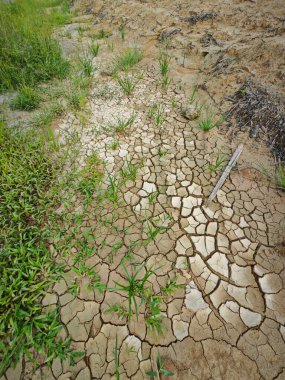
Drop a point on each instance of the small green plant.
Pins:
(134, 287)
(171, 286)
(127, 84)
(129, 171)
(165, 81)
(74, 288)
(217, 164)
(76, 99)
(102, 34)
(173, 103)
(208, 123)
(156, 113)
(280, 177)
(164, 63)
(93, 167)
(94, 49)
(154, 316)
(152, 197)
(277, 176)
(122, 124)
(46, 117)
(152, 232)
(116, 356)
(119, 309)
(162, 152)
(122, 30)
(27, 99)
(160, 368)
(114, 145)
(86, 66)
(128, 59)
(193, 95)
(112, 191)
(81, 30)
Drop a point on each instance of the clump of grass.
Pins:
(47, 116)
(172, 286)
(101, 35)
(217, 164)
(27, 99)
(112, 191)
(160, 368)
(127, 84)
(122, 124)
(77, 93)
(165, 81)
(154, 316)
(162, 152)
(164, 63)
(26, 264)
(77, 99)
(94, 49)
(134, 287)
(174, 103)
(130, 171)
(114, 145)
(128, 59)
(277, 176)
(118, 309)
(86, 66)
(156, 113)
(28, 52)
(280, 177)
(208, 123)
(153, 231)
(152, 197)
(193, 95)
(164, 68)
(82, 29)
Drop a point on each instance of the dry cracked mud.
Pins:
(228, 320)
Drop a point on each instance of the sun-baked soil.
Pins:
(227, 322)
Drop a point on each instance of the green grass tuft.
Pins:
(128, 59)
(28, 53)
(27, 99)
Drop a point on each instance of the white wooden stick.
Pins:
(226, 172)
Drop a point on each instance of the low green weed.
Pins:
(129, 171)
(27, 99)
(122, 124)
(171, 286)
(160, 369)
(156, 113)
(128, 59)
(118, 309)
(208, 123)
(127, 84)
(94, 49)
(101, 35)
(134, 286)
(217, 164)
(154, 316)
(86, 66)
